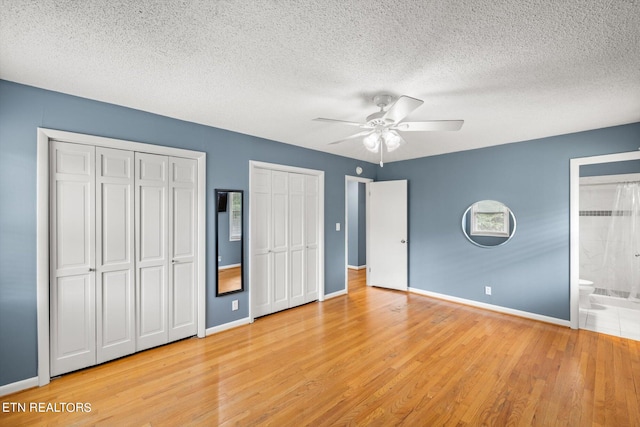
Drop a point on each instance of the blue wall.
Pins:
(530, 272)
(24, 108)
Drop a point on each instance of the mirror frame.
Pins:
(464, 226)
(217, 191)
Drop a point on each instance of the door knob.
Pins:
(403, 241)
(91, 269)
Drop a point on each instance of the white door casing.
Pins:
(182, 308)
(115, 274)
(46, 222)
(387, 242)
(72, 257)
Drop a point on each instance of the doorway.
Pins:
(356, 229)
(596, 311)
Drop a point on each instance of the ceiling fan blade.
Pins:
(401, 108)
(357, 135)
(342, 122)
(432, 125)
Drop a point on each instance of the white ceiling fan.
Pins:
(383, 126)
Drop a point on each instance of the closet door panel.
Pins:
(151, 250)
(152, 306)
(261, 293)
(116, 328)
(262, 281)
(73, 344)
(182, 244)
(72, 298)
(280, 240)
(152, 219)
(297, 238)
(312, 238)
(115, 292)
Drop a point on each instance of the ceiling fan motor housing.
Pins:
(377, 118)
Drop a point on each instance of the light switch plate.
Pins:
(337, 226)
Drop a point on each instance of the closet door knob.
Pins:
(403, 241)
(91, 269)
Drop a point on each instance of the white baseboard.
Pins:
(356, 267)
(499, 309)
(226, 267)
(18, 386)
(335, 294)
(226, 326)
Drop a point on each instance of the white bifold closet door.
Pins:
(72, 264)
(165, 248)
(152, 186)
(182, 248)
(115, 275)
(284, 241)
(123, 253)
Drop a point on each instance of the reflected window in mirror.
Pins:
(488, 223)
(229, 241)
(489, 218)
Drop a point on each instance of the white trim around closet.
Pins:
(42, 233)
(253, 164)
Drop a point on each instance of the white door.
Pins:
(72, 299)
(387, 241)
(182, 246)
(280, 239)
(297, 239)
(151, 249)
(115, 275)
(261, 242)
(312, 236)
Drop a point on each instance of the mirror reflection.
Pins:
(230, 241)
(488, 223)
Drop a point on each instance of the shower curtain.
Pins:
(622, 249)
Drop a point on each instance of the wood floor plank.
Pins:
(371, 357)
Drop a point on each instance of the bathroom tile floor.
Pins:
(612, 320)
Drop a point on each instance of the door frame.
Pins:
(347, 180)
(44, 136)
(574, 224)
(254, 164)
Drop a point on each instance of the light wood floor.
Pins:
(230, 279)
(373, 357)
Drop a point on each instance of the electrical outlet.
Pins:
(487, 290)
(234, 305)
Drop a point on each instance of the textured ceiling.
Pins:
(513, 70)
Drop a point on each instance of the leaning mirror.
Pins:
(229, 241)
(488, 223)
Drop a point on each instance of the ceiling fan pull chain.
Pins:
(381, 150)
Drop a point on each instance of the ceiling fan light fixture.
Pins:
(392, 140)
(372, 142)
